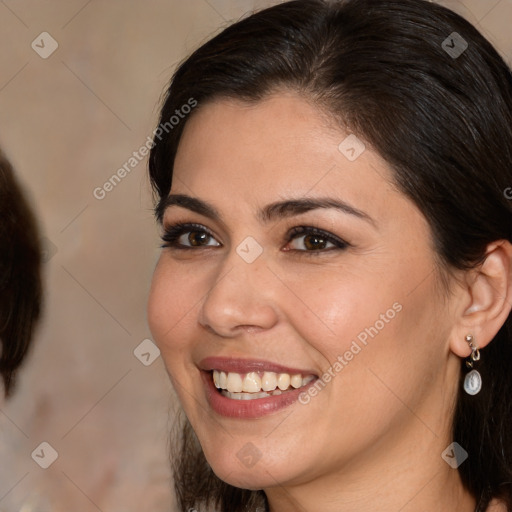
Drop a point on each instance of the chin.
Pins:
(253, 479)
(247, 467)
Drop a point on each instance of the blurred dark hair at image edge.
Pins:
(20, 275)
(444, 124)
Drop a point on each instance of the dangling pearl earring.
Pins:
(473, 380)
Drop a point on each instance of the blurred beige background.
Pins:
(68, 122)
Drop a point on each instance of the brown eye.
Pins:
(197, 238)
(187, 236)
(314, 240)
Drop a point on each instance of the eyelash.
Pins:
(173, 232)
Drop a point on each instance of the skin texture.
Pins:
(372, 438)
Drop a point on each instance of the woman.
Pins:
(333, 296)
(20, 276)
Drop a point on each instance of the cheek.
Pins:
(391, 339)
(170, 306)
(333, 306)
(375, 342)
(364, 324)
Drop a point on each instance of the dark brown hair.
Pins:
(443, 121)
(20, 275)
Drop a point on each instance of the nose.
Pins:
(243, 297)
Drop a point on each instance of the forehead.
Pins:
(282, 140)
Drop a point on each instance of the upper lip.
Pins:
(239, 365)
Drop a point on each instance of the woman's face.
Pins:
(358, 303)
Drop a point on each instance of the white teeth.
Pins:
(245, 396)
(283, 381)
(296, 381)
(251, 383)
(220, 379)
(307, 380)
(234, 382)
(269, 381)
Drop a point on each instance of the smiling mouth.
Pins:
(254, 385)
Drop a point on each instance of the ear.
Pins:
(487, 299)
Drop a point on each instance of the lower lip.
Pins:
(248, 409)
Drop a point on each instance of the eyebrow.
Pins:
(273, 211)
